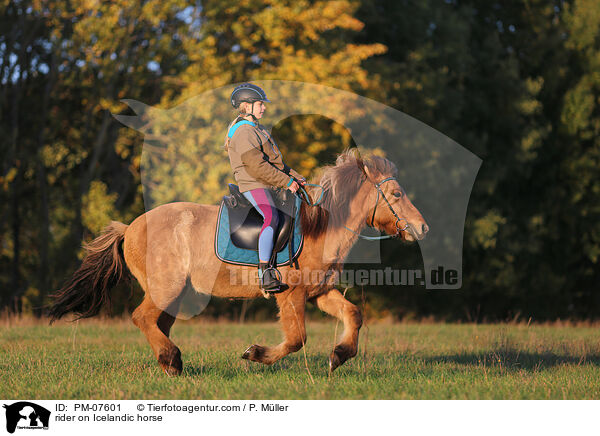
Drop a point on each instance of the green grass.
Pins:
(111, 360)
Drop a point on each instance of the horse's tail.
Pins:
(102, 268)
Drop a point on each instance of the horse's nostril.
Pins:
(424, 228)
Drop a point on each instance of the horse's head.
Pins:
(363, 189)
(389, 208)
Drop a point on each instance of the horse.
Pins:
(177, 251)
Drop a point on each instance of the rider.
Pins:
(257, 165)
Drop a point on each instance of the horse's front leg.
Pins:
(291, 314)
(334, 303)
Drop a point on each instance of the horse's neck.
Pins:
(339, 242)
(337, 245)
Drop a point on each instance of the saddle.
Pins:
(245, 222)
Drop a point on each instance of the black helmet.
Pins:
(247, 92)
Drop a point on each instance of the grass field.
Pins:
(111, 360)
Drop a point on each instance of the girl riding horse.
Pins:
(257, 165)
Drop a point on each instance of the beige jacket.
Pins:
(256, 160)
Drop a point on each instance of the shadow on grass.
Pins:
(505, 359)
(239, 368)
(515, 360)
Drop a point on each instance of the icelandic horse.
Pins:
(178, 247)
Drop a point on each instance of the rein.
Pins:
(304, 196)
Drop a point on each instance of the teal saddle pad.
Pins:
(227, 252)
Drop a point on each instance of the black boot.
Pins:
(269, 278)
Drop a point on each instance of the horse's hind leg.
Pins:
(156, 325)
(334, 304)
(291, 314)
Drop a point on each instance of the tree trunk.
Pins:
(42, 182)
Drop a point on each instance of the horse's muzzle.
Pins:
(418, 233)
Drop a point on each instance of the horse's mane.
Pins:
(341, 182)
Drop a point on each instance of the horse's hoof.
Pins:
(334, 362)
(340, 354)
(254, 353)
(171, 371)
(170, 362)
(246, 354)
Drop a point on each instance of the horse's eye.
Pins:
(398, 194)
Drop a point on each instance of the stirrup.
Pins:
(268, 292)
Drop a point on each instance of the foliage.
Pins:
(516, 83)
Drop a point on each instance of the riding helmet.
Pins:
(247, 92)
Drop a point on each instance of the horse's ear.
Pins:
(354, 153)
(359, 161)
(365, 170)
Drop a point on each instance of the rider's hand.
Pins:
(302, 181)
(294, 186)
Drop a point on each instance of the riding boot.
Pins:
(269, 278)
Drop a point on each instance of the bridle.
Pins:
(379, 192)
(398, 219)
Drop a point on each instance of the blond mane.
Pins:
(341, 182)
